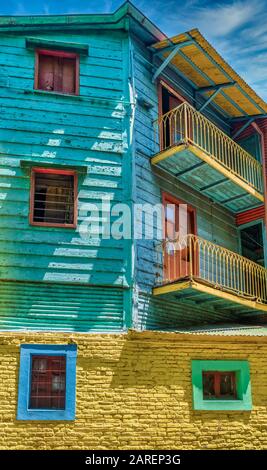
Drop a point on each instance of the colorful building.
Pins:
(131, 338)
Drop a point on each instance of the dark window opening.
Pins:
(57, 73)
(53, 198)
(48, 382)
(219, 385)
(252, 145)
(168, 102)
(252, 243)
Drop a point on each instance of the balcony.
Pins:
(201, 155)
(198, 272)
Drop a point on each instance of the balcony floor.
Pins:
(201, 171)
(196, 292)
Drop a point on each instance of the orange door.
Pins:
(177, 249)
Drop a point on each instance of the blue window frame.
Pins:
(27, 351)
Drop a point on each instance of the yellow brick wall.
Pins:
(134, 391)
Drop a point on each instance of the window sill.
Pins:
(52, 93)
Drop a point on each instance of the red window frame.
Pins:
(169, 198)
(56, 53)
(41, 383)
(217, 379)
(160, 85)
(75, 196)
(176, 263)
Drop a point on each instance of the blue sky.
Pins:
(237, 28)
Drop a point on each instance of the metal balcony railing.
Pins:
(196, 258)
(186, 125)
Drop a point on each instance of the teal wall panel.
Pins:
(90, 130)
(35, 306)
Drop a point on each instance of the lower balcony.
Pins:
(202, 156)
(198, 272)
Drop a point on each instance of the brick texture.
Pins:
(134, 391)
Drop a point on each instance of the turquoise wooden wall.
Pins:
(90, 130)
(213, 222)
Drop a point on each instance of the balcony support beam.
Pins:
(170, 57)
(191, 168)
(206, 89)
(212, 185)
(242, 128)
(209, 100)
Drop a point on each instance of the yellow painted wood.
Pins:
(172, 287)
(217, 70)
(219, 272)
(184, 127)
(228, 296)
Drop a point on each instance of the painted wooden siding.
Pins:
(88, 130)
(213, 222)
(35, 306)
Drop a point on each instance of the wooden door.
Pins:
(177, 251)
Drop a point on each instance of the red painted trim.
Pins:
(165, 84)
(57, 53)
(264, 167)
(68, 55)
(250, 215)
(75, 193)
(169, 197)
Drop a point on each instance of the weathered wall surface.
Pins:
(213, 222)
(134, 391)
(90, 131)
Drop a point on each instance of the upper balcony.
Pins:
(198, 272)
(201, 155)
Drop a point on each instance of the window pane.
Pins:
(46, 73)
(208, 385)
(227, 385)
(48, 376)
(54, 198)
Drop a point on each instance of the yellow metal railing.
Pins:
(186, 125)
(197, 258)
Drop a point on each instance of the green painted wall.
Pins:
(90, 130)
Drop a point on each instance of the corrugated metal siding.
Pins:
(249, 216)
(34, 306)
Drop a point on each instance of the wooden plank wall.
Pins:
(213, 222)
(89, 130)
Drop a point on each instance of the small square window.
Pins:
(221, 385)
(47, 382)
(53, 198)
(57, 71)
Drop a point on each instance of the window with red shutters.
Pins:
(48, 382)
(220, 385)
(57, 71)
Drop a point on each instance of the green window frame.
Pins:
(243, 385)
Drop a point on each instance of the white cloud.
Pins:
(221, 19)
